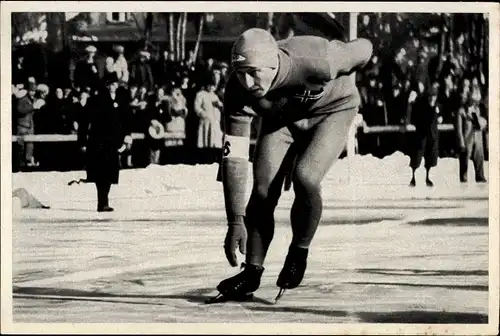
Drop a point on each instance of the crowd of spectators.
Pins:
(186, 96)
(409, 59)
(397, 69)
(182, 97)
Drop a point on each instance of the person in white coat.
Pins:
(207, 107)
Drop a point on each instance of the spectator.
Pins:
(190, 61)
(121, 65)
(42, 111)
(217, 77)
(207, 106)
(187, 87)
(82, 109)
(140, 72)
(155, 119)
(448, 99)
(373, 102)
(14, 96)
(88, 72)
(25, 124)
(178, 112)
(424, 114)
(19, 72)
(205, 71)
(109, 66)
(107, 135)
(469, 129)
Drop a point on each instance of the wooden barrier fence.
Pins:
(139, 136)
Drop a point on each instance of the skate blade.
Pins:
(280, 294)
(220, 298)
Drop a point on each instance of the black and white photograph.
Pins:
(330, 170)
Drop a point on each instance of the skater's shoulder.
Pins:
(303, 46)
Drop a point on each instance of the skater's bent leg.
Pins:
(270, 161)
(325, 146)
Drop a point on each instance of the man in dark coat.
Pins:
(424, 113)
(102, 135)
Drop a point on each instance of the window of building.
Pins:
(116, 17)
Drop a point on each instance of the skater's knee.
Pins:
(305, 181)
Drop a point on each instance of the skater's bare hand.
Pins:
(236, 237)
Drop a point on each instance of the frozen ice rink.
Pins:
(384, 252)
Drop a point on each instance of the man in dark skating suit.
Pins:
(302, 90)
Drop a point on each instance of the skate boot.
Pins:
(239, 287)
(293, 270)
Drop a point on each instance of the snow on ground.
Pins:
(195, 187)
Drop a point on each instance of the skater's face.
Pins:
(256, 80)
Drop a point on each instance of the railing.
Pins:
(180, 135)
(73, 137)
(400, 128)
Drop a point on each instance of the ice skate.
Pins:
(239, 287)
(293, 270)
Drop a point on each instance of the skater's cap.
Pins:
(255, 48)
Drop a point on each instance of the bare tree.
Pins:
(201, 23)
(184, 17)
(137, 22)
(171, 35)
(148, 27)
(178, 37)
(56, 31)
(270, 22)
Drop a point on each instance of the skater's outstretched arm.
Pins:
(346, 58)
(235, 164)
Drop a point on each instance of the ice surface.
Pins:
(383, 252)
